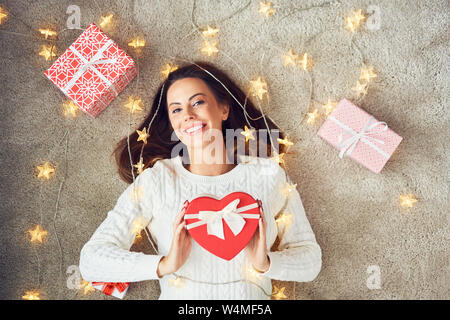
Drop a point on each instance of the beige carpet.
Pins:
(355, 214)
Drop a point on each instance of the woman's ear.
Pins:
(226, 112)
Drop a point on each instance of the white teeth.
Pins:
(194, 129)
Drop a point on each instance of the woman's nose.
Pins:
(189, 114)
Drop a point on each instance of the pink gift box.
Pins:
(92, 71)
(357, 134)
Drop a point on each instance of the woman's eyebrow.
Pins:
(189, 98)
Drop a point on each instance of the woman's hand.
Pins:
(180, 248)
(256, 249)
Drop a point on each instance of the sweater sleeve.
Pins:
(299, 257)
(106, 257)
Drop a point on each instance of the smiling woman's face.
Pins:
(191, 105)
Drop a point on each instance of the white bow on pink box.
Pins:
(358, 135)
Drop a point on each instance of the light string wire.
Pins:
(196, 29)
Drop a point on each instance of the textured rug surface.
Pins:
(355, 214)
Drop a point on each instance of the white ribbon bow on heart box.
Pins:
(231, 214)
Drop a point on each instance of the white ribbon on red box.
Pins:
(232, 215)
(96, 59)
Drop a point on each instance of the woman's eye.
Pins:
(199, 102)
(173, 111)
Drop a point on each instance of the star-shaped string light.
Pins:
(139, 166)
(143, 135)
(177, 282)
(70, 109)
(31, 295)
(289, 58)
(312, 116)
(134, 104)
(278, 294)
(258, 87)
(167, 69)
(352, 22)
(329, 107)
(407, 200)
(285, 141)
(47, 52)
(287, 189)
(360, 88)
(48, 33)
(266, 8)
(284, 219)
(248, 133)
(367, 74)
(303, 62)
(136, 43)
(46, 171)
(210, 31)
(209, 48)
(105, 20)
(278, 158)
(37, 234)
(138, 225)
(87, 287)
(136, 194)
(3, 14)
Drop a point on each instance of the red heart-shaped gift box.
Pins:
(203, 208)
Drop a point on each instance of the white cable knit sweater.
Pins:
(161, 191)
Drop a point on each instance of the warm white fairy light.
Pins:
(367, 74)
(209, 48)
(278, 293)
(47, 52)
(352, 22)
(177, 282)
(360, 88)
(284, 219)
(258, 87)
(138, 224)
(134, 104)
(248, 133)
(48, 33)
(37, 234)
(3, 15)
(311, 117)
(287, 189)
(31, 295)
(407, 200)
(87, 287)
(289, 58)
(266, 8)
(278, 158)
(139, 166)
(142, 135)
(285, 141)
(136, 194)
(167, 69)
(70, 109)
(46, 171)
(136, 43)
(329, 107)
(104, 21)
(210, 31)
(304, 62)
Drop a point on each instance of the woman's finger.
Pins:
(180, 215)
(261, 211)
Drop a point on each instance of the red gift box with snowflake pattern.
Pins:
(92, 71)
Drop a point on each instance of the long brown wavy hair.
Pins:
(159, 144)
